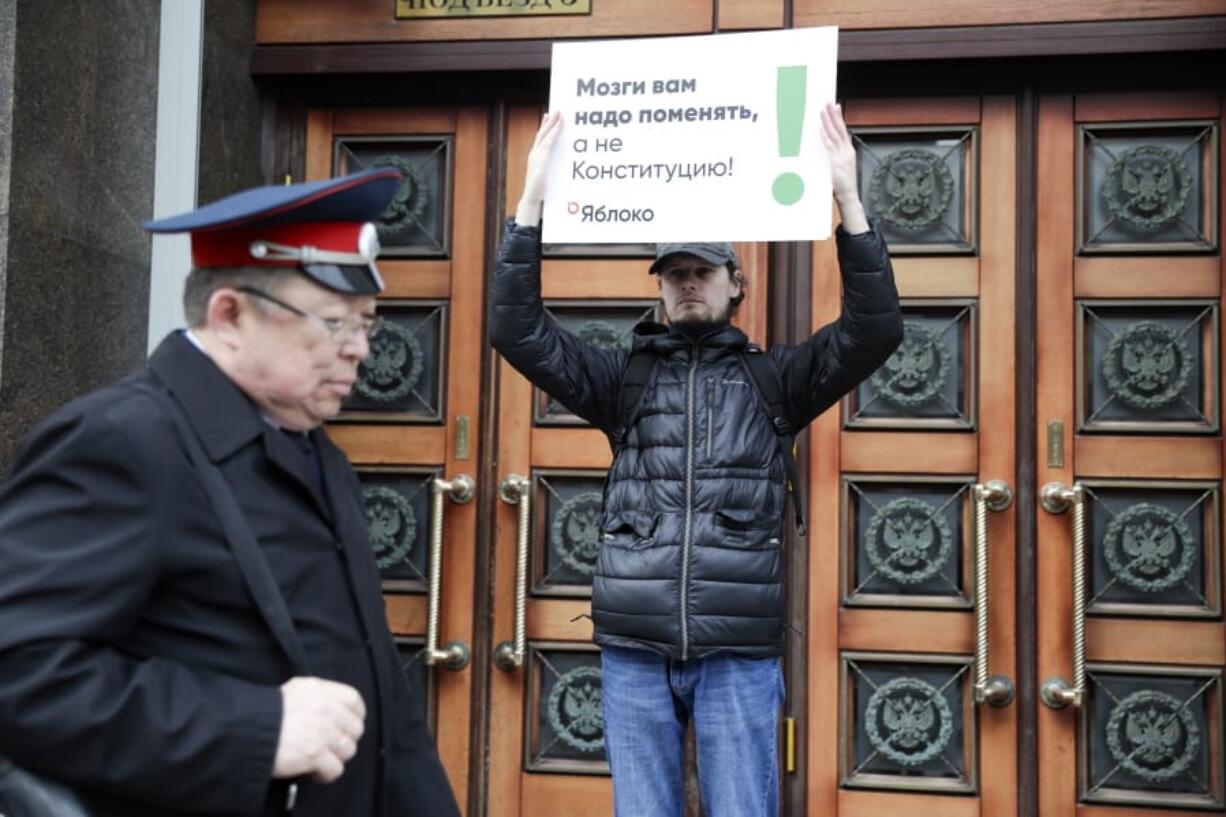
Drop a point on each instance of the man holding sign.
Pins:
(687, 600)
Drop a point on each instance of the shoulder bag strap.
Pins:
(251, 562)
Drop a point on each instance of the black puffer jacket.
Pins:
(690, 560)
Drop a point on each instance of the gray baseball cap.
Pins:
(714, 252)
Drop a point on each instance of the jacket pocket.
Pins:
(744, 436)
(630, 529)
(748, 529)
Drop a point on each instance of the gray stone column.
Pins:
(78, 83)
(231, 114)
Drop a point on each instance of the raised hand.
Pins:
(842, 153)
(528, 213)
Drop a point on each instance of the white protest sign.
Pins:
(711, 138)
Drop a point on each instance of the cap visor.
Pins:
(701, 255)
(344, 278)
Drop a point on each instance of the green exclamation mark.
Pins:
(790, 120)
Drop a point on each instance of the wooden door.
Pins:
(1129, 428)
(546, 739)
(412, 417)
(894, 725)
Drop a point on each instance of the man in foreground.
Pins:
(142, 659)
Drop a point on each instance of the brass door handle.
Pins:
(517, 490)
(1057, 498)
(993, 690)
(460, 490)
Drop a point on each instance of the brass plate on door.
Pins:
(463, 437)
(1055, 443)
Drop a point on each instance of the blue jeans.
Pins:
(735, 704)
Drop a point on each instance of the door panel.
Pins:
(1129, 367)
(412, 417)
(542, 758)
(892, 631)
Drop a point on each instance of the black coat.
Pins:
(134, 661)
(690, 561)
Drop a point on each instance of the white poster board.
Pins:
(710, 138)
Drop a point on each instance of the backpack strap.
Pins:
(764, 378)
(635, 377)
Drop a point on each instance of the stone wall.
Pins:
(74, 264)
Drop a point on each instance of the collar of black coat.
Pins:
(224, 417)
(649, 334)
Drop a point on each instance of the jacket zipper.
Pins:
(689, 506)
(710, 419)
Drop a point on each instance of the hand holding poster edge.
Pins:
(528, 212)
(642, 157)
(841, 153)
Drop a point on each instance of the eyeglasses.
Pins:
(339, 329)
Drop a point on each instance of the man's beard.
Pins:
(695, 327)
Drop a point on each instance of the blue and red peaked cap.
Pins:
(322, 228)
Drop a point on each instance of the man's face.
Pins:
(696, 292)
(293, 367)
